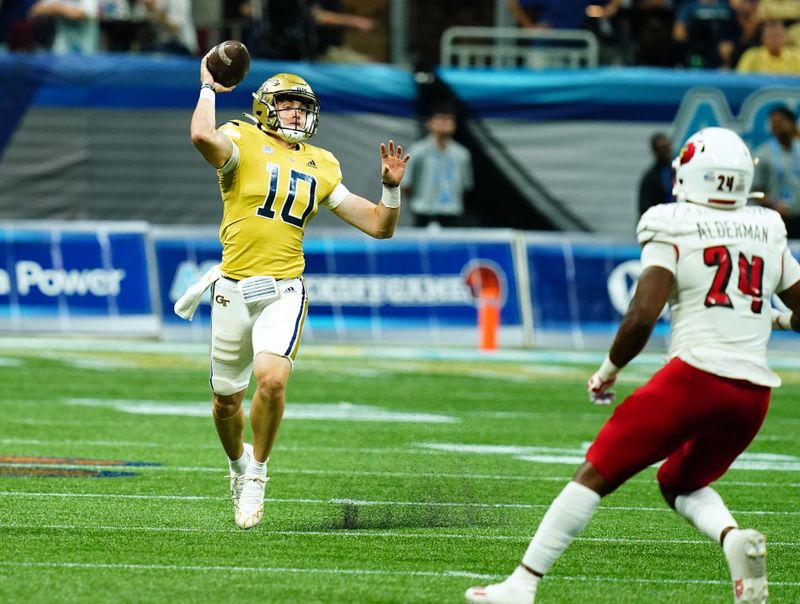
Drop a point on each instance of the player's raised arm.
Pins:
(378, 219)
(215, 147)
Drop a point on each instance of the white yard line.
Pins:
(748, 462)
(176, 445)
(157, 467)
(448, 574)
(245, 569)
(637, 580)
(366, 502)
(372, 473)
(358, 534)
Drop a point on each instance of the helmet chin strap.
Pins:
(292, 135)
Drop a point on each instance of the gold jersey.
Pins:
(270, 193)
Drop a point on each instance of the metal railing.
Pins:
(513, 47)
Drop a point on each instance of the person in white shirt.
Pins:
(172, 26)
(717, 262)
(76, 24)
(439, 173)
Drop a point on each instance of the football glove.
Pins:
(781, 320)
(599, 384)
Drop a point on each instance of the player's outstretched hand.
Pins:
(393, 164)
(598, 389)
(781, 320)
(207, 78)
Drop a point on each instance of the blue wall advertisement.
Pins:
(358, 283)
(125, 278)
(64, 278)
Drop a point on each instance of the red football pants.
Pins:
(698, 421)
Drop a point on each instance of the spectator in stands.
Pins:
(779, 9)
(439, 172)
(559, 14)
(332, 21)
(651, 27)
(302, 29)
(592, 15)
(75, 22)
(778, 168)
(12, 16)
(656, 184)
(748, 23)
(772, 56)
(169, 27)
(706, 30)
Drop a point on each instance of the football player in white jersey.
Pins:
(272, 183)
(717, 262)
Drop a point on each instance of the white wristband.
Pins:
(782, 321)
(608, 370)
(208, 94)
(391, 197)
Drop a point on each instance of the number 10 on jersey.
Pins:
(305, 199)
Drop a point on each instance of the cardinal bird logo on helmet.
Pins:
(687, 153)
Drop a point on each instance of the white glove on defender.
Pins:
(599, 384)
(781, 320)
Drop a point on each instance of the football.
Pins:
(228, 62)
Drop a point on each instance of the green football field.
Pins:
(399, 475)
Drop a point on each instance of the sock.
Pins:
(705, 509)
(239, 465)
(257, 468)
(566, 517)
(524, 577)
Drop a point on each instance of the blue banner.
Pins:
(65, 278)
(409, 281)
(587, 286)
(356, 283)
(115, 81)
(182, 257)
(582, 288)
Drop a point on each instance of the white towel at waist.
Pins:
(187, 304)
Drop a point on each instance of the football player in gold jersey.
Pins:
(272, 184)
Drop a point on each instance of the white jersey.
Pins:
(727, 264)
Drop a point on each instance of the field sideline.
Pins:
(400, 475)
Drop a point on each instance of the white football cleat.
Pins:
(251, 503)
(507, 592)
(746, 551)
(237, 480)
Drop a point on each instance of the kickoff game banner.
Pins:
(416, 282)
(551, 289)
(62, 277)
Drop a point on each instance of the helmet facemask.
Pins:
(714, 168)
(282, 87)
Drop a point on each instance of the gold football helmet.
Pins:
(281, 86)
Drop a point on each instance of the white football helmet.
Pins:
(286, 85)
(714, 168)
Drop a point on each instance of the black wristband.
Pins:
(209, 86)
